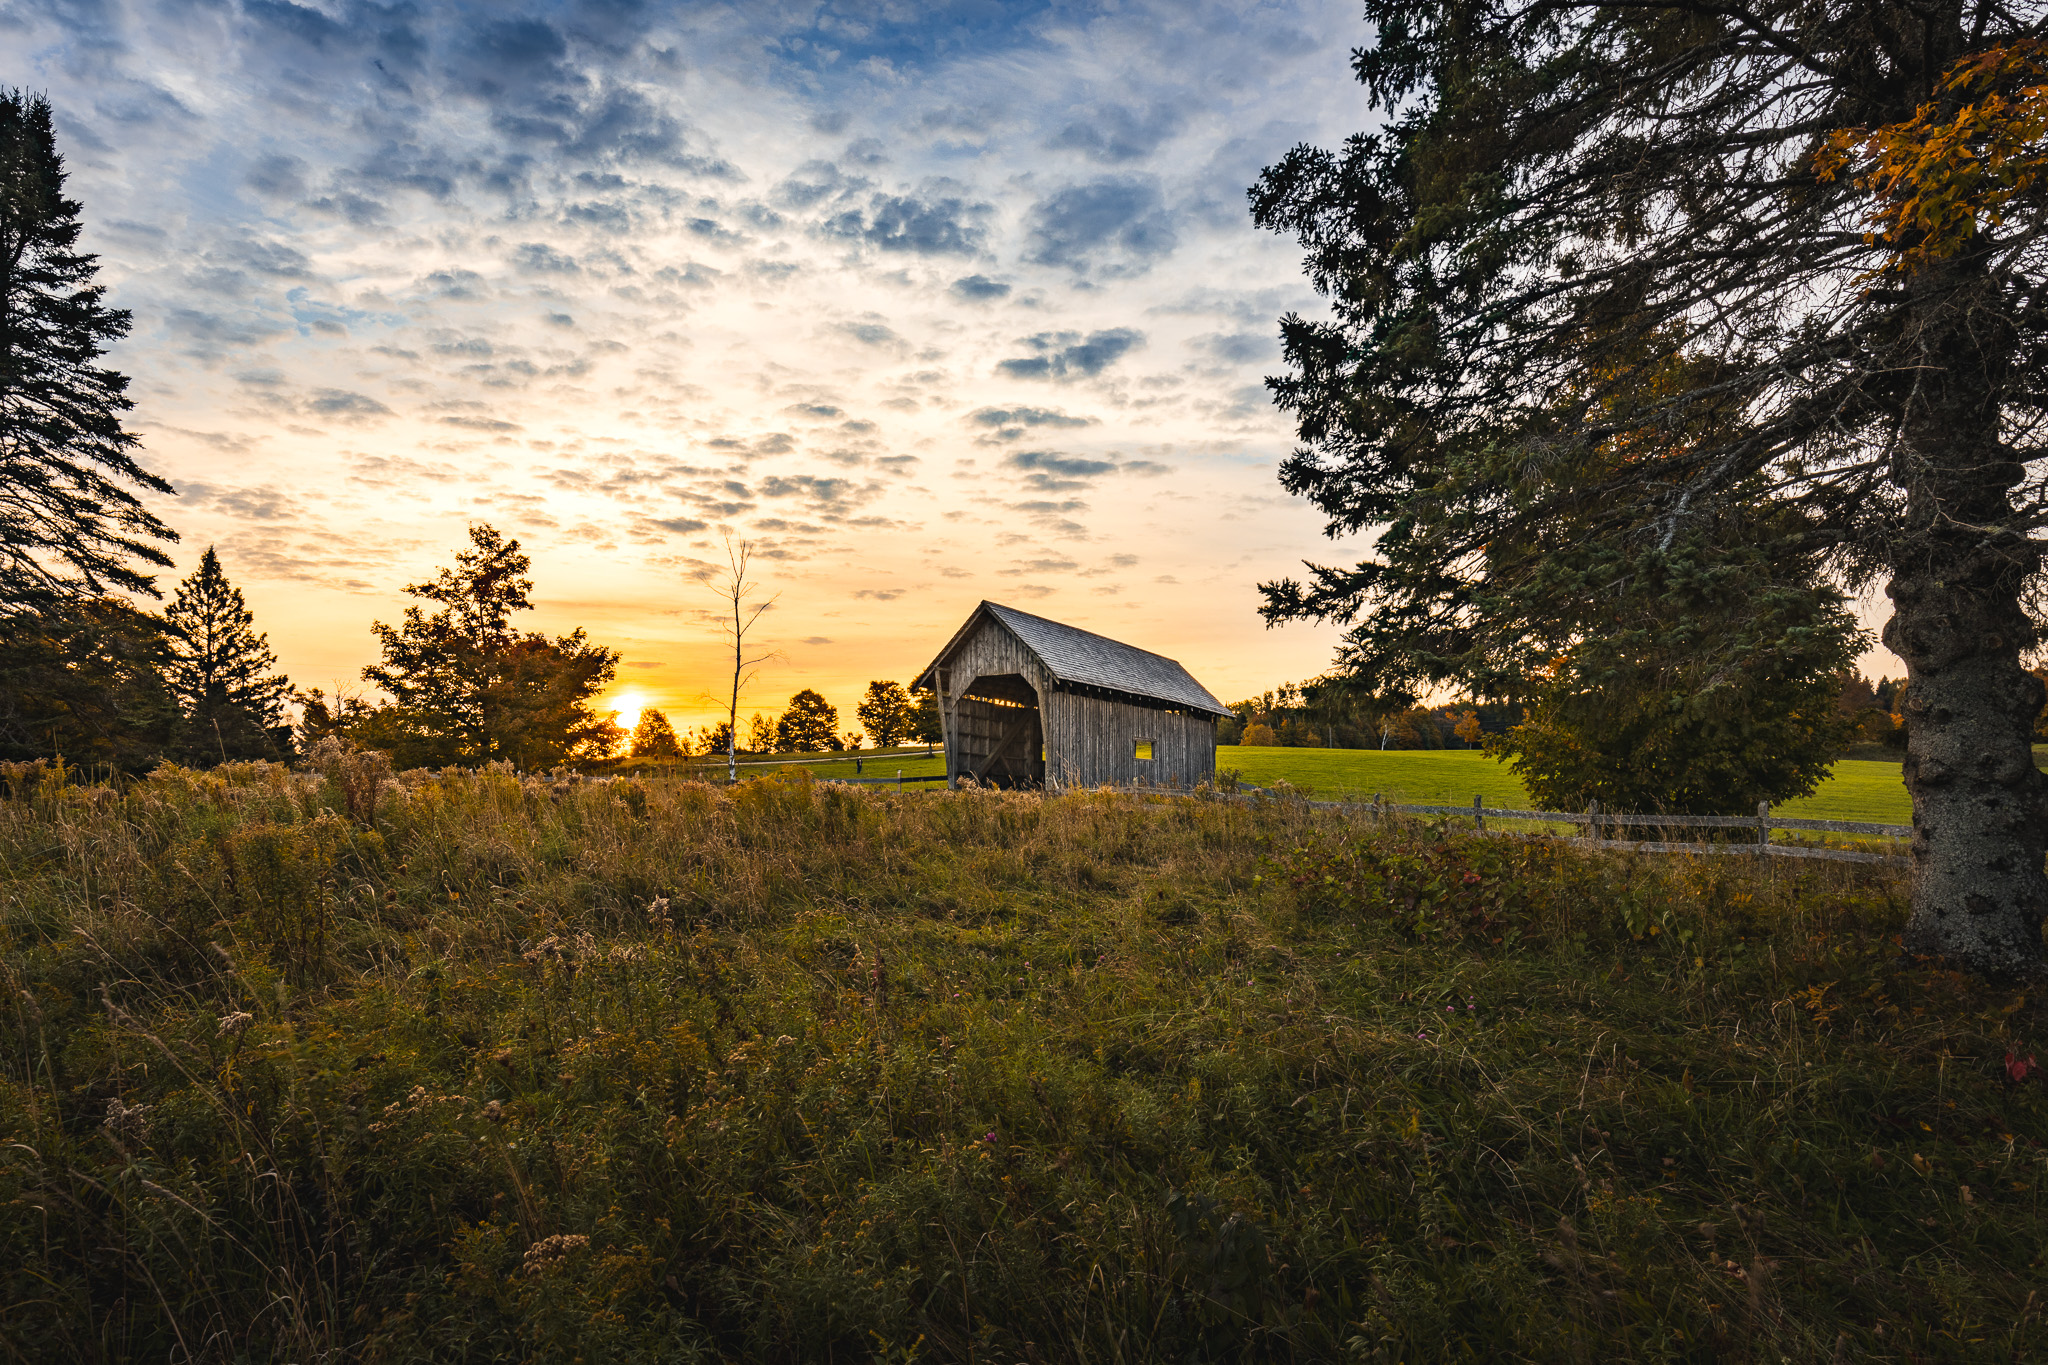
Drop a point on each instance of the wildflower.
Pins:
(2018, 1067)
(236, 1024)
(127, 1120)
(549, 1250)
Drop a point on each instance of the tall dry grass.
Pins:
(476, 1066)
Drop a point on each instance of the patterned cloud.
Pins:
(932, 303)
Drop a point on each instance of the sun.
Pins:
(629, 705)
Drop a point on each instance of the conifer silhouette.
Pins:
(222, 671)
(70, 525)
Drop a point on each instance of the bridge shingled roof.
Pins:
(1082, 657)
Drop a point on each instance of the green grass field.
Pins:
(1857, 789)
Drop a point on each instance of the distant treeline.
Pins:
(103, 684)
(1317, 715)
(889, 715)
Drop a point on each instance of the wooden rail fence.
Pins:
(1601, 827)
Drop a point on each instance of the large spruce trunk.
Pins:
(1980, 806)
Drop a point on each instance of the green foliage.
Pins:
(619, 1071)
(654, 737)
(1333, 712)
(469, 688)
(1600, 302)
(930, 726)
(84, 682)
(1708, 683)
(220, 670)
(809, 725)
(887, 714)
(71, 525)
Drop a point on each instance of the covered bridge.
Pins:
(1030, 702)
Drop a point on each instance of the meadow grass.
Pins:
(638, 1071)
(1856, 789)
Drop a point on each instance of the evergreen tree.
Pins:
(1773, 256)
(810, 725)
(69, 523)
(654, 737)
(221, 671)
(84, 682)
(887, 714)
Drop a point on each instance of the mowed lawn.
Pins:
(1857, 789)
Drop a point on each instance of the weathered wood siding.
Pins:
(975, 725)
(1093, 740)
(992, 686)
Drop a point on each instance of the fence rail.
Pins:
(1601, 825)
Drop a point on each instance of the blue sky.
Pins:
(936, 302)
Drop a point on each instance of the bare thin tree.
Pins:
(734, 589)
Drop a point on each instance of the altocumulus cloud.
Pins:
(1064, 355)
(343, 406)
(1048, 471)
(979, 289)
(988, 203)
(1009, 424)
(946, 226)
(1117, 224)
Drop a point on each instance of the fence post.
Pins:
(1478, 814)
(1593, 823)
(1763, 828)
(1378, 815)
(899, 781)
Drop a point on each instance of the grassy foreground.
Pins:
(649, 1072)
(1857, 789)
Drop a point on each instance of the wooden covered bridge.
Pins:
(1030, 702)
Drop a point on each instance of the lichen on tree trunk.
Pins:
(1978, 800)
(1980, 806)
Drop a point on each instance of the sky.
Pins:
(935, 303)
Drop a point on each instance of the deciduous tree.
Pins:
(809, 725)
(1782, 263)
(887, 714)
(468, 688)
(739, 612)
(930, 727)
(654, 737)
(71, 525)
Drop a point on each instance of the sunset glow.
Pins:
(967, 306)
